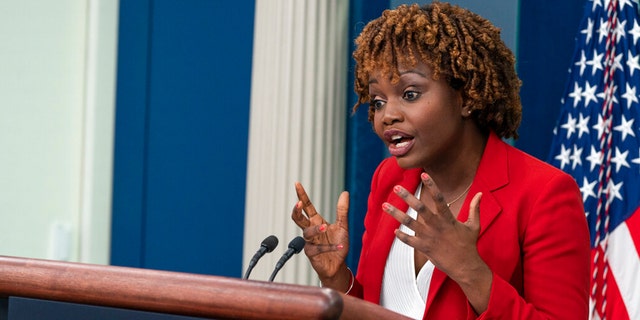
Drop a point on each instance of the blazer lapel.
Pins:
(490, 176)
(384, 235)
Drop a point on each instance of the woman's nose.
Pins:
(391, 113)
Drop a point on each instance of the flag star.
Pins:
(576, 94)
(595, 62)
(635, 31)
(602, 126)
(613, 190)
(582, 125)
(588, 32)
(617, 62)
(603, 30)
(595, 4)
(620, 159)
(620, 29)
(595, 158)
(623, 3)
(576, 157)
(603, 95)
(587, 189)
(630, 95)
(589, 93)
(625, 127)
(582, 63)
(563, 157)
(632, 62)
(570, 125)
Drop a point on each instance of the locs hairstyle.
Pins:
(457, 44)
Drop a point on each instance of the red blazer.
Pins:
(533, 236)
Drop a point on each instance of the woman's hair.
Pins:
(457, 44)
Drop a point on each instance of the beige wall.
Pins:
(57, 76)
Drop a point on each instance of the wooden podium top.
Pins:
(178, 293)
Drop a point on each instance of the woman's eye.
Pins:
(410, 95)
(377, 104)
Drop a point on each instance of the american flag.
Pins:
(596, 141)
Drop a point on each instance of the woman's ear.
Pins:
(465, 108)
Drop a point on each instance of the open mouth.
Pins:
(400, 141)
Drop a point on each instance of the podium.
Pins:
(176, 293)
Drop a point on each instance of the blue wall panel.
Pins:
(130, 134)
(191, 206)
(364, 149)
(547, 38)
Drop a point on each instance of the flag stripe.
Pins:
(625, 264)
(616, 308)
(633, 223)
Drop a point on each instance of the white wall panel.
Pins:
(56, 108)
(298, 119)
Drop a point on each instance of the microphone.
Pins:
(267, 245)
(295, 246)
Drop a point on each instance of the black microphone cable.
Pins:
(295, 246)
(267, 245)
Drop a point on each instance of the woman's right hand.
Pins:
(327, 244)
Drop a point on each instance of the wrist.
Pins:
(343, 281)
(472, 276)
(476, 285)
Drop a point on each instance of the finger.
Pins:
(310, 232)
(474, 212)
(299, 218)
(402, 217)
(312, 250)
(404, 237)
(434, 191)
(307, 206)
(342, 210)
(410, 199)
(412, 241)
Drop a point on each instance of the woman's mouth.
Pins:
(398, 143)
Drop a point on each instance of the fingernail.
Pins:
(397, 189)
(426, 178)
(322, 227)
(340, 247)
(299, 204)
(386, 206)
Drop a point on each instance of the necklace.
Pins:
(460, 196)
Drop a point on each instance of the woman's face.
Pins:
(418, 118)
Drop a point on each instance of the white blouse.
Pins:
(401, 291)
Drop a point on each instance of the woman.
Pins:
(460, 225)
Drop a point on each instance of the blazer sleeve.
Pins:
(555, 259)
(373, 255)
(357, 289)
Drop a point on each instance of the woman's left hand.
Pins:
(448, 243)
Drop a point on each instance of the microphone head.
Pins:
(270, 243)
(297, 244)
